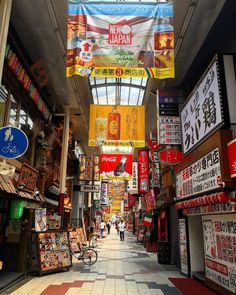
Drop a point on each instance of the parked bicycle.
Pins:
(88, 255)
(93, 240)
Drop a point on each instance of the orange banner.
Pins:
(115, 124)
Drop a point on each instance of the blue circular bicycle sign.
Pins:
(13, 142)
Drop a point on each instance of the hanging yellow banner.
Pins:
(120, 39)
(115, 124)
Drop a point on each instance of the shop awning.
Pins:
(221, 197)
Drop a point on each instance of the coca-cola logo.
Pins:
(109, 159)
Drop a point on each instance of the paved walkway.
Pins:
(123, 268)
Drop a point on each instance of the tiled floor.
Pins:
(123, 268)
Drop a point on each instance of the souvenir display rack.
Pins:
(53, 251)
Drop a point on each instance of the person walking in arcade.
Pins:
(121, 227)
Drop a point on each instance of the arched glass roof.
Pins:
(124, 91)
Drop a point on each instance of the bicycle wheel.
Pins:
(89, 256)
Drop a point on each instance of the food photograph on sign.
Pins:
(120, 40)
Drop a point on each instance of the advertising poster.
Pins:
(202, 113)
(220, 252)
(40, 219)
(121, 40)
(117, 124)
(89, 167)
(183, 246)
(115, 166)
(143, 171)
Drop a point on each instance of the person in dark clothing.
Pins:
(108, 226)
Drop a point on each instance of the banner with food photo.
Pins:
(116, 124)
(120, 40)
(115, 166)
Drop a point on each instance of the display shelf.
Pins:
(53, 251)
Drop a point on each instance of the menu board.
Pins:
(54, 251)
(219, 245)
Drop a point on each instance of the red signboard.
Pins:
(115, 166)
(143, 171)
(170, 156)
(232, 158)
(150, 200)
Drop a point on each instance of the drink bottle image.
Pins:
(120, 167)
(113, 124)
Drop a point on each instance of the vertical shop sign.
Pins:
(89, 167)
(143, 171)
(133, 183)
(169, 122)
(202, 113)
(219, 244)
(183, 246)
(104, 190)
(150, 200)
(232, 158)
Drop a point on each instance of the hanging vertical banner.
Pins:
(143, 171)
(120, 39)
(150, 200)
(133, 183)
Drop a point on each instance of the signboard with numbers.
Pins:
(202, 113)
(219, 245)
(202, 176)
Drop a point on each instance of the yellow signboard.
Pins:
(116, 124)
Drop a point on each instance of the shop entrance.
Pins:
(12, 246)
(196, 244)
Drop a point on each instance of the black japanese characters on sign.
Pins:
(202, 112)
(202, 176)
(28, 178)
(90, 188)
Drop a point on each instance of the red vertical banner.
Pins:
(61, 203)
(143, 171)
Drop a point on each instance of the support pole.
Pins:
(64, 153)
(5, 12)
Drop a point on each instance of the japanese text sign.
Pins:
(28, 178)
(219, 244)
(143, 171)
(202, 176)
(202, 113)
(120, 40)
(232, 157)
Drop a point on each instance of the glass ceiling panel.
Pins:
(124, 91)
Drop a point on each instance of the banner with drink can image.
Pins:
(116, 124)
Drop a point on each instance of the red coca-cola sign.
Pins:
(143, 171)
(115, 166)
(232, 158)
(170, 156)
